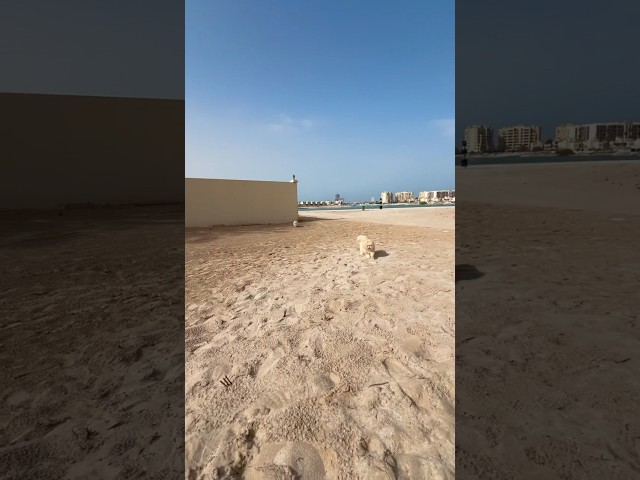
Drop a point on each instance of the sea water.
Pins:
(371, 207)
(538, 158)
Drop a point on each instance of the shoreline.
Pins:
(374, 206)
(568, 163)
(545, 154)
(440, 218)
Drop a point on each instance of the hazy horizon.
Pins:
(352, 101)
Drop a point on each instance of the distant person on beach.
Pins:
(464, 153)
(363, 208)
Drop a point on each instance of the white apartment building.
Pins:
(479, 138)
(596, 135)
(633, 131)
(387, 197)
(436, 196)
(441, 195)
(404, 197)
(606, 132)
(518, 138)
(565, 133)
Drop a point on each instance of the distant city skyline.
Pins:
(540, 76)
(349, 99)
(426, 196)
(614, 135)
(376, 197)
(549, 134)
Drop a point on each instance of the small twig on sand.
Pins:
(378, 384)
(468, 339)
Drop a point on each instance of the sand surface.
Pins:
(91, 348)
(547, 339)
(340, 366)
(611, 186)
(434, 217)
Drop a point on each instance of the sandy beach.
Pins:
(338, 366)
(546, 337)
(91, 353)
(434, 217)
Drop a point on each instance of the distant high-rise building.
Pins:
(601, 132)
(565, 133)
(404, 197)
(633, 131)
(387, 197)
(479, 138)
(518, 138)
(435, 196)
(596, 135)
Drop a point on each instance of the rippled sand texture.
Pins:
(340, 366)
(547, 331)
(91, 349)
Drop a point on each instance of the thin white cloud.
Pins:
(280, 128)
(286, 124)
(447, 126)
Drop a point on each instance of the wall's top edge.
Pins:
(238, 180)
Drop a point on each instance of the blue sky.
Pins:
(352, 97)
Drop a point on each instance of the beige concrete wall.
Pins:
(239, 202)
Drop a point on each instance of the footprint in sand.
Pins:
(413, 346)
(311, 344)
(200, 448)
(408, 382)
(269, 403)
(272, 359)
(206, 377)
(321, 384)
(430, 391)
(299, 460)
(415, 466)
(343, 305)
